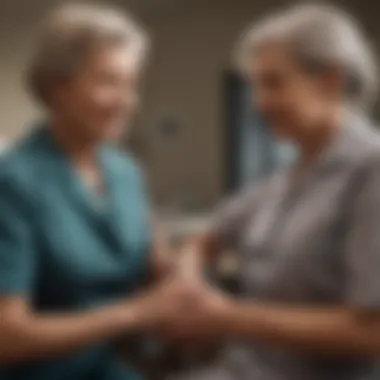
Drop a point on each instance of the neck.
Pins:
(82, 151)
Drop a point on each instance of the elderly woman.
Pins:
(75, 230)
(308, 238)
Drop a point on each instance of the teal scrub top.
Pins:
(65, 249)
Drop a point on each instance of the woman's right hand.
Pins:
(169, 300)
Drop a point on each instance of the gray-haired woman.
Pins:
(75, 233)
(308, 238)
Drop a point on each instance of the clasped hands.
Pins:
(185, 309)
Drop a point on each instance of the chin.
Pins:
(281, 131)
(113, 136)
(110, 133)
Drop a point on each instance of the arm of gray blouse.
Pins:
(231, 216)
(363, 241)
(223, 233)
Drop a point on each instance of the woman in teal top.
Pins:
(75, 230)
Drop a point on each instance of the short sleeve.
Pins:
(17, 256)
(230, 217)
(363, 242)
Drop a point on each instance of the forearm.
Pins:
(40, 336)
(192, 261)
(197, 255)
(332, 332)
(163, 258)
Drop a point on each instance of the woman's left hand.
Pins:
(203, 322)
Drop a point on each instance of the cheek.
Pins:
(91, 111)
(299, 104)
(99, 98)
(310, 106)
(76, 107)
(113, 101)
(279, 105)
(84, 103)
(286, 110)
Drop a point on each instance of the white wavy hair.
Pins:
(320, 37)
(70, 33)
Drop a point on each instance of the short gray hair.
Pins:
(319, 36)
(71, 33)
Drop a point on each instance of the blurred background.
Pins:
(197, 133)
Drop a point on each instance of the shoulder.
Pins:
(20, 166)
(361, 156)
(16, 165)
(370, 166)
(364, 142)
(262, 187)
(368, 151)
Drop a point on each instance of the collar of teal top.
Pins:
(60, 162)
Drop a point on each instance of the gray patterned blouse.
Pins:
(314, 242)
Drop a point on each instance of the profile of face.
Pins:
(291, 98)
(101, 99)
